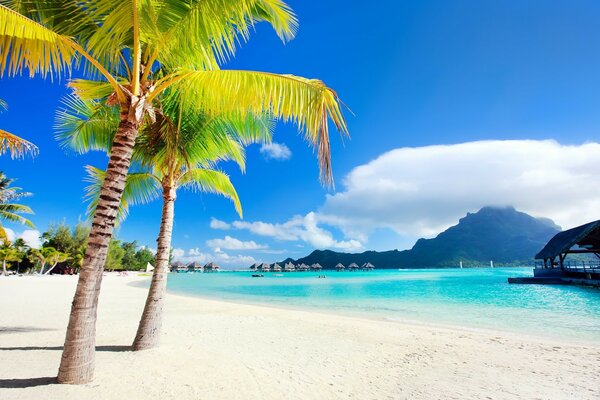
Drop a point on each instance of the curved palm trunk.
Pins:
(4, 271)
(77, 362)
(148, 333)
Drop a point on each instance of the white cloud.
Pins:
(177, 253)
(30, 236)
(219, 257)
(421, 191)
(300, 228)
(276, 151)
(230, 243)
(218, 224)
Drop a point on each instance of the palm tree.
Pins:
(9, 254)
(10, 211)
(178, 151)
(17, 146)
(51, 256)
(139, 50)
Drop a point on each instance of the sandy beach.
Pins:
(219, 350)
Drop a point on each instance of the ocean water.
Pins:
(473, 297)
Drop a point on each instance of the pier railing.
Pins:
(583, 266)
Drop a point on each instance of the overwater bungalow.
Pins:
(316, 267)
(264, 267)
(368, 267)
(178, 267)
(195, 267)
(254, 267)
(211, 267)
(276, 267)
(553, 267)
(289, 267)
(302, 267)
(353, 267)
(339, 267)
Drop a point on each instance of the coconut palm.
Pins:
(9, 254)
(10, 211)
(178, 151)
(138, 50)
(50, 256)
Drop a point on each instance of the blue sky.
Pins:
(486, 83)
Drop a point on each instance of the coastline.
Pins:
(221, 349)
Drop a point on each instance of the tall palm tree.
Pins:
(17, 146)
(179, 150)
(9, 210)
(129, 45)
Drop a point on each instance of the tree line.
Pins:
(63, 249)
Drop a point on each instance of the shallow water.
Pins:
(475, 298)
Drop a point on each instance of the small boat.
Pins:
(257, 275)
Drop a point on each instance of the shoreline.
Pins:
(220, 350)
(556, 338)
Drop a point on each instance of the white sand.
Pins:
(218, 350)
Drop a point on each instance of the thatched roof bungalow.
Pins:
(302, 267)
(194, 267)
(264, 267)
(316, 267)
(178, 267)
(276, 267)
(289, 267)
(353, 267)
(339, 267)
(211, 267)
(254, 267)
(368, 266)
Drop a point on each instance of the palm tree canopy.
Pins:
(17, 146)
(9, 210)
(141, 48)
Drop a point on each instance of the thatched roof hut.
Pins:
(339, 267)
(302, 267)
(353, 267)
(289, 267)
(316, 267)
(194, 267)
(368, 266)
(178, 267)
(211, 267)
(264, 267)
(254, 267)
(585, 237)
(276, 267)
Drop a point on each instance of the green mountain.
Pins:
(503, 235)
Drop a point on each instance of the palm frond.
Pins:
(15, 145)
(86, 125)
(205, 33)
(306, 102)
(211, 181)
(26, 44)
(10, 216)
(140, 188)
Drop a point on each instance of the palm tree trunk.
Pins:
(4, 272)
(42, 269)
(77, 362)
(148, 333)
(50, 270)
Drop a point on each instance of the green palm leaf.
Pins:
(211, 181)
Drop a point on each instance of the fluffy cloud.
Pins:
(300, 228)
(30, 236)
(218, 224)
(276, 151)
(218, 256)
(230, 243)
(421, 191)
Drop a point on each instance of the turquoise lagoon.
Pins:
(470, 297)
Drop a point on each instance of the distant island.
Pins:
(502, 234)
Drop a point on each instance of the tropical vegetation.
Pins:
(17, 146)
(9, 210)
(134, 51)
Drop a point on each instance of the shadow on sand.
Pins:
(114, 349)
(26, 382)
